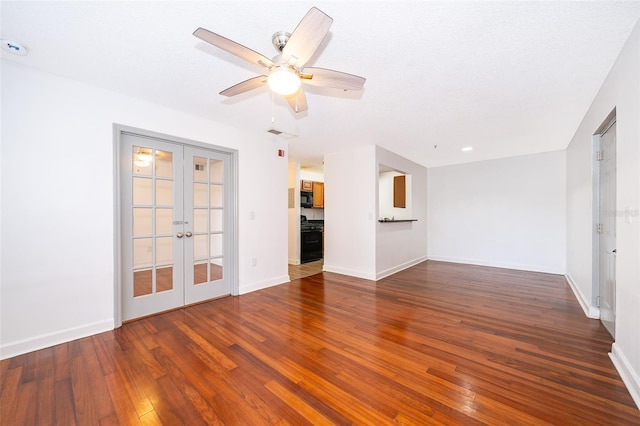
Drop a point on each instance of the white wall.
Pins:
(57, 281)
(620, 90)
(350, 212)
(403, 244)
(356, 243)
(294, 213)
(311, 173)
(386, 194)
(507, 213)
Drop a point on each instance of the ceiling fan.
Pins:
(285, 72)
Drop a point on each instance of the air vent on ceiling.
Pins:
(283, 135)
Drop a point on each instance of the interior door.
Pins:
(174, 223)
(607, 229)
(207, 217)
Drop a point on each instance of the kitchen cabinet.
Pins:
(399, 192)
(306, 185)
(318, 195)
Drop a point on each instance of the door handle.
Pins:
(188, 234)
(179, 235)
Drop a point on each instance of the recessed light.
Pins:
(467, 148)
(13, 47)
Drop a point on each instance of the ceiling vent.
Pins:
(281, 134)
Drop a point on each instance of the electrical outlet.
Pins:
(254, 261)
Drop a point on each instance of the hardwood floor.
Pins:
(305, 269)
(438, 343)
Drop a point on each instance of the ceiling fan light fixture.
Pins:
(284, 80)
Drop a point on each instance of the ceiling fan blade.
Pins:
(298, 101)
(245, 86)
(331, 78)
(307, 36)
(233, 47)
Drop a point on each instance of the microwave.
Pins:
(306, 199)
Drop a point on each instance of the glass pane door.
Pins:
(206, 200)
(175, 219)
(151, 185)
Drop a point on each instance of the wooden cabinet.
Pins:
(318, 195)
(399, 192)
(318, 192)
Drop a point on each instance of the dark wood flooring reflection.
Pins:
(438, 343)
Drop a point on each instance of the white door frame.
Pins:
(594, 310)
(118, 130)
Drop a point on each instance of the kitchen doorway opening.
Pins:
(306, 225)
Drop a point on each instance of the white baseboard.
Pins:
(52, 339)
(589, 310)
(248, 288)
(349, 272)
(391, 271)
(630, 377)
(505, 265)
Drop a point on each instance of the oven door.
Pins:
(310, 246)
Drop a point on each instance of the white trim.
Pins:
(505, 265)
(589, 310)
(401, 267)
(117, 230)
(630, 377)
(349, 272)
(248, 288)
(51, 339)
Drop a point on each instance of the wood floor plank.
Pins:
(207, 347)
(291, 399)
(27, 391)
(438, 343)
(124, 408)
(65, 409)
(9, 390)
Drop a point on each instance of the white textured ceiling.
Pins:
(508, 78)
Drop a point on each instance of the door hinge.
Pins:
(598, 301)
(599, 156)
(600, 228)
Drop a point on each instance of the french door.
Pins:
(175, 218)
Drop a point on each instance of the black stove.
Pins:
(310, 240)
(306, 226)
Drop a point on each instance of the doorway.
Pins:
(606, 227)
(177, 234)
